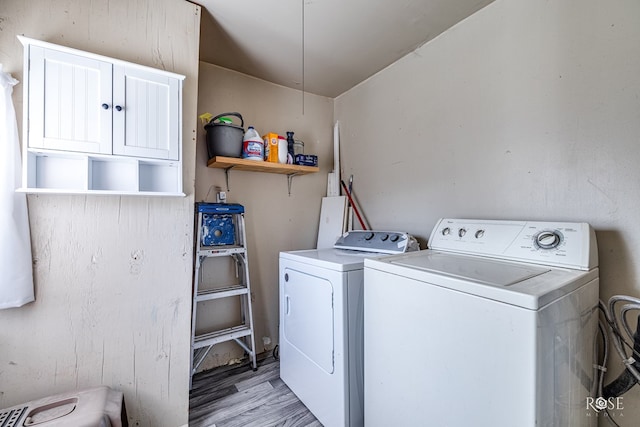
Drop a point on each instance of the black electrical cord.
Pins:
(626, 380)
(611, 420)
(629, 377)
(616, 331)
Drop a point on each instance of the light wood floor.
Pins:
(237, 396)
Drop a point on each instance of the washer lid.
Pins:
(530, 286)
(481, 270)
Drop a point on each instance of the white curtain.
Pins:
(16, 275)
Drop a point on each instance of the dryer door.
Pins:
(308, 316)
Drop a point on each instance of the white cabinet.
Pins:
(99, 125)
(66, 92)
(144, 113)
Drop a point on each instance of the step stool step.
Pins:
(225, 292)
(209, 251)
(222, 335)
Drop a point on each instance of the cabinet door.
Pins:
(146, 119)
(69, 102)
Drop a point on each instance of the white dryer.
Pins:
(321, 313)
(493, 325)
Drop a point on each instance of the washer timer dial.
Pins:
(548, 239)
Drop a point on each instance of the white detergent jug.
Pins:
(252, 145)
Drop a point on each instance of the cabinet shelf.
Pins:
(258, 166)
(62, 172)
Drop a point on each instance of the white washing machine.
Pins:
(321, 312)
(493, 325)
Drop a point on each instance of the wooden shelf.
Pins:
(258, 166)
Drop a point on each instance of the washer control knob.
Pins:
(384, 237)
(479, 234)
(462, 232)
(368, 236)
(548, 240)
(395, 238)
(446, 231)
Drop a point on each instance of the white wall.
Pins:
(113, 274)
(275, 221)
(526, 110)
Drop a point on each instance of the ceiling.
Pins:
(343, 43)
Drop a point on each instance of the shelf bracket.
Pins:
(226, 176)
(289, 180)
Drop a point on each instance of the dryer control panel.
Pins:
(561, 244)
(385, 242)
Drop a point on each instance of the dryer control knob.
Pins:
(368, 236)
(479, 234)
(462, 232)
(446, 231)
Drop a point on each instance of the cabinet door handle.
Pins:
(105, 106)
(119, 108)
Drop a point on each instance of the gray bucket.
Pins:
(224, 139)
